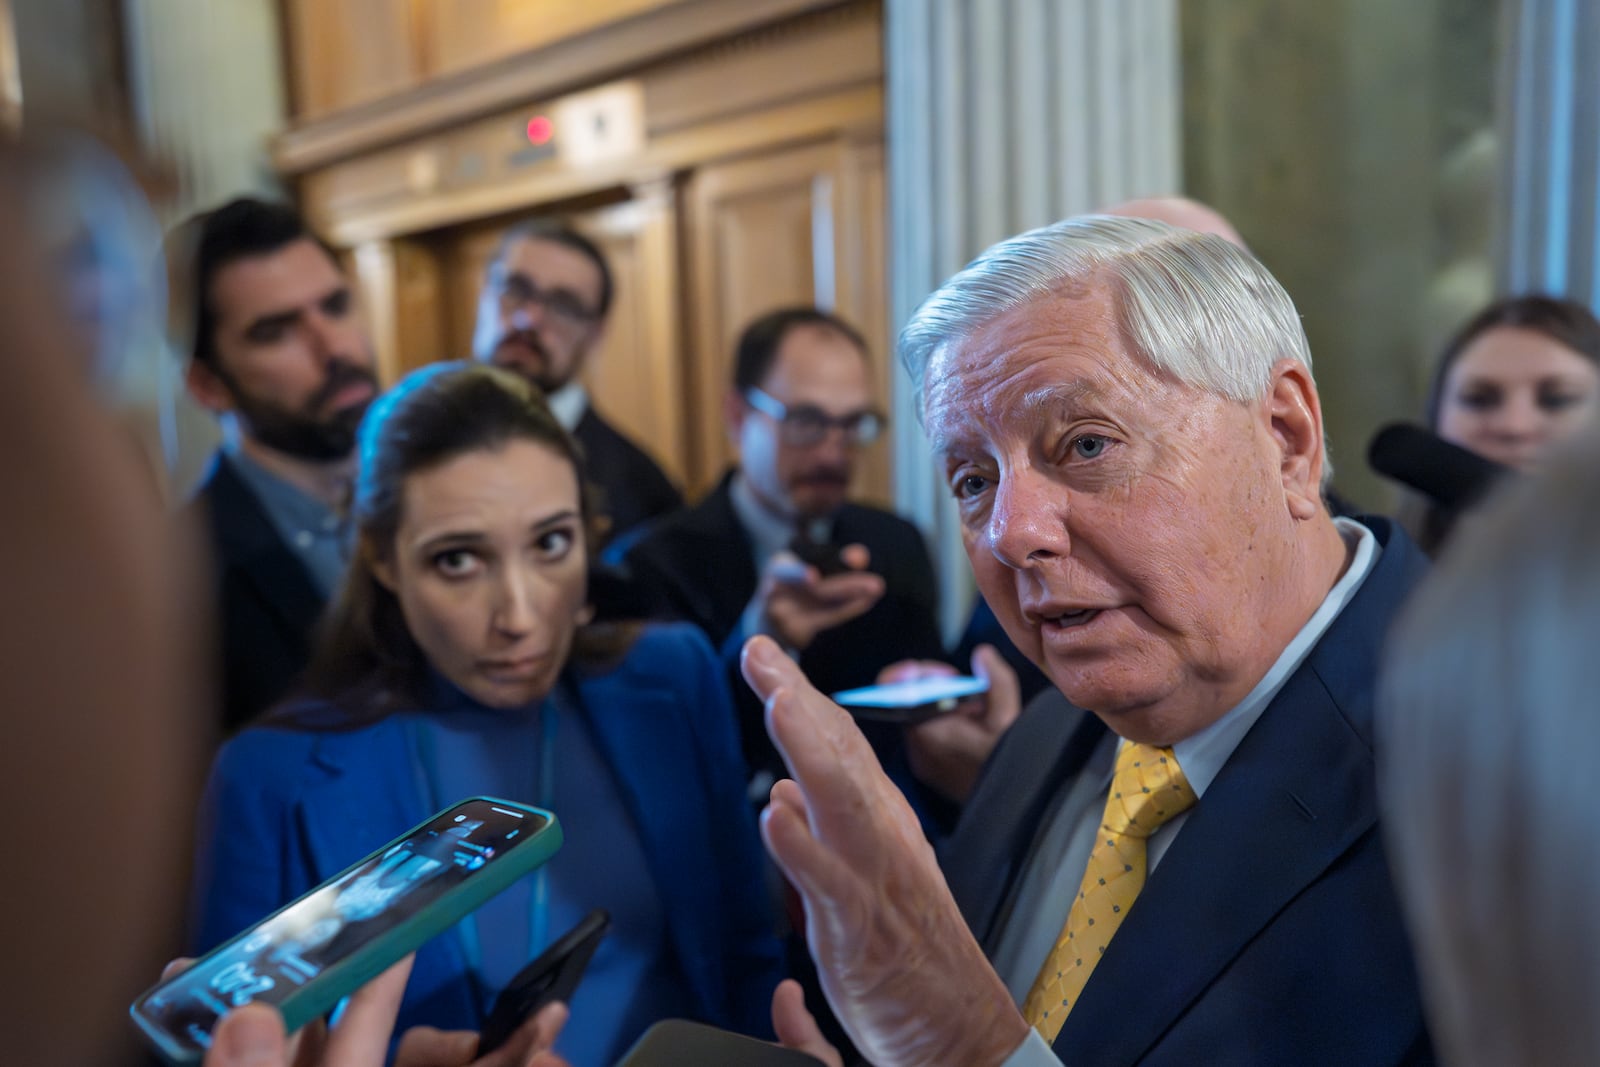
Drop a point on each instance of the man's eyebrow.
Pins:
(1064, 395)
(276, 318)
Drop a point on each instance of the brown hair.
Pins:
(366, 661)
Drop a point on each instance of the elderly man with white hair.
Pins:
(1190, 871)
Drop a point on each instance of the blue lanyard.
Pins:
(426, 766)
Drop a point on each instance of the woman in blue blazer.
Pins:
(456, 662)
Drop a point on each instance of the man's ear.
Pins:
(208, 388)
(1296, 417)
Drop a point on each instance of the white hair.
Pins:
(1489, 740)
(1193, 305)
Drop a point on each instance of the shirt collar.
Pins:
(1203, 755)
(289, 505)
(568, 404)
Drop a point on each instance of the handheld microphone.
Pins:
(1447, 474)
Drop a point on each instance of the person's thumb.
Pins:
(251, 1036)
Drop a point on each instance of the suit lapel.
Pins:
(1297, 794)
(368, 778)
(640, 733)
(991, 845)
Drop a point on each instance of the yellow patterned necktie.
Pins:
(1147, 789)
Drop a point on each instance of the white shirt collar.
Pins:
(1203, 755)
(568, 404)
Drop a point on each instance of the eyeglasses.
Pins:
(518, 291)
(806, 425)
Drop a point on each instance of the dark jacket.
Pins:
(698, 565)
(267, 602)
(632, 487)
(1270, 933)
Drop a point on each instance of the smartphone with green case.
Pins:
(313, 952)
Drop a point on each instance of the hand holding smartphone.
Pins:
(311, 953)
(554, 975)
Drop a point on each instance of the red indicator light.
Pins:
(540, 130)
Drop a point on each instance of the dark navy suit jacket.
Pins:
(267, 602)
(288, 809)
(1270, 933)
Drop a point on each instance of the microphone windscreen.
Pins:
(1450, 475)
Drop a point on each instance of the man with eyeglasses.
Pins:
(801, 411)
(541, 313)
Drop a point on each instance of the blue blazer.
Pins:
(287, 809)
(1270, 933)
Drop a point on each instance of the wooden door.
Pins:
(798, 226)
(348, 52)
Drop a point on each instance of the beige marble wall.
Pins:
(1348, 141)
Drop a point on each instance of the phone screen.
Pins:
(294, 946)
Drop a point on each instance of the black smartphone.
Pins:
(828, 559)
(674, 1042)
(554, 975)
(308, 955)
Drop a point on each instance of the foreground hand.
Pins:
(947, 752)
(796, 603)
(529, 1046)
(795, 1026)
(253, 1036)
(904, 975)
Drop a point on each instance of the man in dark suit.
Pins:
(1191, 871)
(801, 410)
(541, 312)
(277, 351)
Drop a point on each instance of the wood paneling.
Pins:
(802, 226)
(348, 52)
(431, 101)
(758, 182)
(468, 33)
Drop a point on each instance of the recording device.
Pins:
(827, 558)
(910, 702)
(1449, 475)
(311, 953)
(554, 975)
(674, 1042)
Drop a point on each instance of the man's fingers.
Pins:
(787, 792)
(765, 667)
(533, 1039)
(251, 1036)
(856, 556)
(1005, 691)
(823, 749)
(795, 1026)
(814, 870)
(362, 1035)
(424, 1046)
(176, 967)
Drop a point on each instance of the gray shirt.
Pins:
(1037, 910)
(313, 531)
